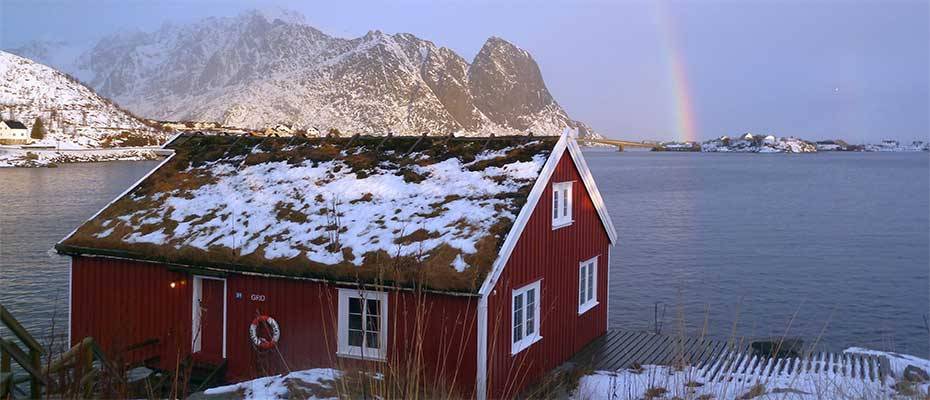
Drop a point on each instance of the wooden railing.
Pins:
(78, 362)
(31, 362)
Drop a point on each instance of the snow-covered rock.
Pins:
(759, 144)
(282, 386)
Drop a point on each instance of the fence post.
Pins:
(5, 368)
(35, 386)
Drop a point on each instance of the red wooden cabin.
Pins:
(487, 259)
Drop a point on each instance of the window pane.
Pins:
(355, 305)
(530, 312)
(373, 323)
(581, 285)
(565, 203)
(372, 340)
(555, 204)
(355, 338)
(590, 281)
(355, 321)
(374, 307)
(517, 317)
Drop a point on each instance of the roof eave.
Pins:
(214, 268)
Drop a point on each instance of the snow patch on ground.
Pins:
(279, 386)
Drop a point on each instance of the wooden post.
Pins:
(35, 385)
(4, 361)
(5, 368)
(619, 147)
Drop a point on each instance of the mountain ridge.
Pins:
(259, 69)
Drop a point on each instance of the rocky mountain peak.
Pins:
(507, 83)
(262, 68)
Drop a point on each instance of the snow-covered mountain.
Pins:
(71, 112)
(256, 70)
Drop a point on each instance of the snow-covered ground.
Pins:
(309, 384)
(659, 382)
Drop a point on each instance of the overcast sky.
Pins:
(632, 69)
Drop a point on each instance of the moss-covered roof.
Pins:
(399, 211)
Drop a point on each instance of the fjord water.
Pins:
(830, 245)
(816, 245)
(39, 207)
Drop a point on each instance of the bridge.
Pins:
(621, 144)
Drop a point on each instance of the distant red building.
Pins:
(488, 259)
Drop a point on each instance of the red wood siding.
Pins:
(554, 257)
(123, 302)
(120, 303)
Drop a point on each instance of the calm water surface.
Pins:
(761, 245)
(835, 246)
(40, 206)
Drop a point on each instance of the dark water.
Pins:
(39, 207)
(832, 243)
(761, 245)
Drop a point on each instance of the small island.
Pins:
(749, 143)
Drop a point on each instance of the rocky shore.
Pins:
(16, 157)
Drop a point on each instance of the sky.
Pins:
(666, 70)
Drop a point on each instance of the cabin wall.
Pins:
(307, 314)
(552, 256)
(124, 302)
(121, 303)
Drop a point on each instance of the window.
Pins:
(561, 204)
(587, 285)
(362, 324)
(525, 317)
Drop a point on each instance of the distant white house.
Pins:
(747, 136)
(13, 132)
(770, 139)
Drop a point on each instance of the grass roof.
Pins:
(396, 211)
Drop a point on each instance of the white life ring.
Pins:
(259, 341)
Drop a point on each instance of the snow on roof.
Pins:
(402, 210)
(14, 124)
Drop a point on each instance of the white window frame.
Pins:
(362, 352)
(527, 340)
(562, 207)
(585, 269)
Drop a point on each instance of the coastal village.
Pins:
(380, 219)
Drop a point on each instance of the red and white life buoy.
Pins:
(259, 341)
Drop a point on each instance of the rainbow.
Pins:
(685, 125)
